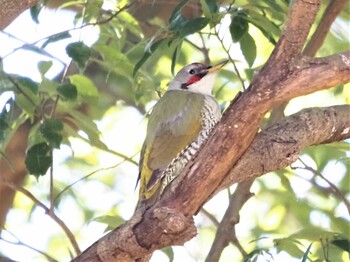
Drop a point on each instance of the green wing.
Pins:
(174, 123)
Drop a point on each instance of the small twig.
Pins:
(65, 31)
(325, 249)
(235, 241)
(127, 6)
(210, 216)
(37, 202)
(336, 192)
(205, 50)
(20, 89)
(87, 176)
(226, 231)
(231, 60)
(52, 203)
(20, 243)
(318, 37)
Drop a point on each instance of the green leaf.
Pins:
(176, 18)
(111, 221)
(288, 245)
(35, 136)
(343, 244)
(36, 49)
(27, 96)
(131, 24)
(72, 3)
(28, 84)
(255, 254)
(68, 91)
(55, 38)
(305, 256)
(147, 55)
(88, 126)
(35, 11)
(178, 23)
(263, 23)
(169, 252)
(324, 154)
(48, 87)
(248, 48)
(209, 7)
(26, 105)
(312, 234)
(239, 25)
(175, 57)
(3, 123)
(38, 159)
(193, 26)
(43, 67)
(51, 130)
(85, 87)
(92, 9)
(79, 52)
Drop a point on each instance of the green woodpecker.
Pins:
(178, 125)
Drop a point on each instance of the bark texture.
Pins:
(11, 9)
(287, 74)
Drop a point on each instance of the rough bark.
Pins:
(14, 170)
(11, 9)
(153, 229)
(144, 11)
(280, 145)
(287, 74)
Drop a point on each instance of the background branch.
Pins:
(318, 37)
(280, 145)
(226, 230)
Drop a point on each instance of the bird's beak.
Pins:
(216, 67)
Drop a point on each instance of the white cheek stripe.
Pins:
(203, 86)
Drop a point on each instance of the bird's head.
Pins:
(196, 77)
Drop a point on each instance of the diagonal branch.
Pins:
(280, 145)
(10, 9)
(226, 227)
(274, 148)
(286, 75)
(318, 37)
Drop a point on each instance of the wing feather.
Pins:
(174, 123)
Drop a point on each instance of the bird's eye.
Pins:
(192, 72)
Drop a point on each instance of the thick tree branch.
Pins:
(280, 145)
(315, 42)
(11, 9)
(149, 230)
(286, 75)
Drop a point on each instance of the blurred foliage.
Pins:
(87, 126)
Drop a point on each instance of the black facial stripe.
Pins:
(184, 86)
(202, 74)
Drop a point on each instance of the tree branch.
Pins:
(226, 230)
(280, 145)
(318, 37)
(157, 227)
(286, 75)
(11, 9)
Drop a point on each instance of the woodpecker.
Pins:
(178, 125)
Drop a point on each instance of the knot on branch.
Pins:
(121, 244)
(172, 221)
(163, 226)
